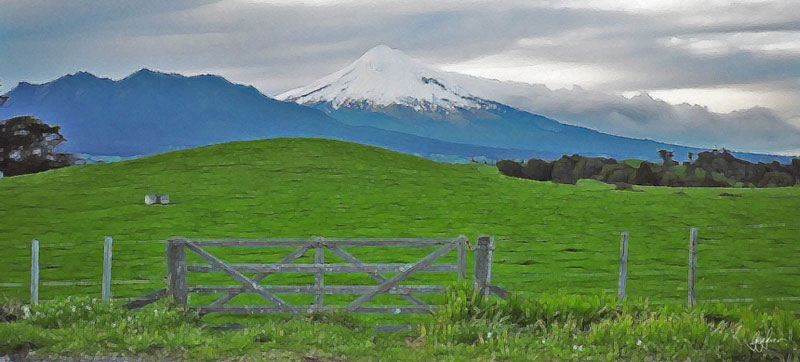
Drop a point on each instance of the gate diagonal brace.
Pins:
(259, 277)
(375, 276)
(246, 282)
(428, 260)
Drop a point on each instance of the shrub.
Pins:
(73, 311)
(536, 169)
(12, 310)
(510, 168)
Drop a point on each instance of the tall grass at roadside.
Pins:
(164, 330)
(467, 327)
(572, 327)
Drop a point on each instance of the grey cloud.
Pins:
(790, 25)
(756, 129)
(25, 18)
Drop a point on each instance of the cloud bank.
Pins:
(755, 129)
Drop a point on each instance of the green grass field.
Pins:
(550, 237)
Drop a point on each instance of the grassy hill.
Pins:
(550, 237)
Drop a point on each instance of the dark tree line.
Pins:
(709, 169)
(28, 145)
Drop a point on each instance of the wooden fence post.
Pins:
(107, 251)
(692, 267)
(176, 270)
(35, 272)
(623, 266)
(462, 257)
(319, 278)
(484, 255)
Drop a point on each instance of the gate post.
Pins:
(462, 257)
(176, 270)
(319, 278)
(692, 297)
(484, 255)
(35, 272)
(623, 267)
(107, 257)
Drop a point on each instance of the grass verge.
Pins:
(467, 327)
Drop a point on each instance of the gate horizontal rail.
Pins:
(257, 309)
(328, 290)
(282, 243)
(325, 268)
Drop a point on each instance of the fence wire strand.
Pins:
(565, 239)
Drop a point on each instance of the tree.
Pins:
(645, 176)
(536, 169)
(27, 145)
(510, 168)
(666, 157)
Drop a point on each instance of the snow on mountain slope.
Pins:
(384, 76)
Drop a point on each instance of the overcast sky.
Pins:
(726, 55)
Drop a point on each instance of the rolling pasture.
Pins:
(549, 237)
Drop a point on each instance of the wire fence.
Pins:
(752, 263)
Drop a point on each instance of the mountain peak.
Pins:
(83, 74)
(382, 49)
(79, 79)
(382, 77)
(79, 76)
(147, 73)
(382, 54)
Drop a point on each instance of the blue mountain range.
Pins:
(152, 112)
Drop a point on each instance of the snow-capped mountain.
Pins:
(387, 89)
(383, 77)
(404, 92)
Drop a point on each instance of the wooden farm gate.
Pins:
(178, 289)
